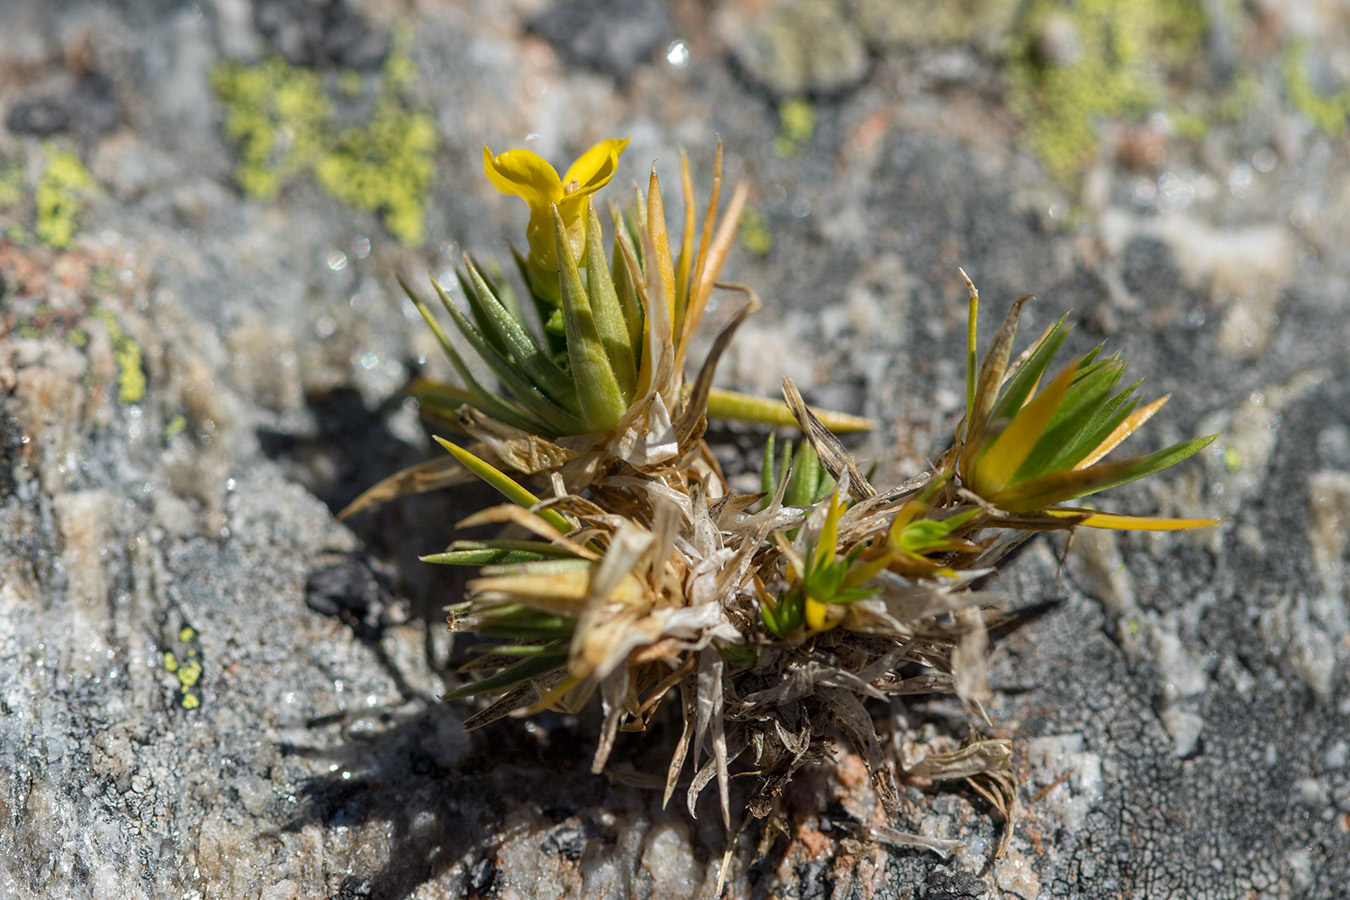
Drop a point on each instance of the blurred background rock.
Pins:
(209, 688)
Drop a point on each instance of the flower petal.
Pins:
(525, 174)
(594, 168)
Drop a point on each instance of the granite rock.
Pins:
(209, 687)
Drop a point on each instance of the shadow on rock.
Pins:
(444, 803)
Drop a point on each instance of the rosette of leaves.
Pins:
(1026, 448)
(593, 378)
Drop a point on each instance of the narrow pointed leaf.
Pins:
(598, 392)
(1028, 375)
(610, 322)
(545, 310)
(489, 553)
(997, 465)
(505, 484)
(768, 476)
(521, 388)
(484, 400)
(1062, 436)
(805, 477)
(525, 670)
(513, 341)
(712, 250)
(1117, 522)
(1107, 417)
(685, 264)
(1039, 493)
(972, 318)
(436, 398)
(1154, 462)
(726, 404)
(829, 534)
(656, 233)
(1120, 432)
(990, 378)
(626, 281)
(712, 257)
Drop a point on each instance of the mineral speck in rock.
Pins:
(38, 117)
(320, 33)
(89, 110)
(632, 31)
(350, 590)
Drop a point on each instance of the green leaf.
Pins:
(437, 398)
(985, 393)
(771, 620)
(545, 308)
(739, 655)
(725, 404)
(525, 391)
(998, 464)
(1056, 487)
(1062, 435)
(1019, 387)
(626, 282)
(514, 342)
(804, 477)
(488, 553)
(1143, 466)
(768, 471)
(504, 484)
(512, 621)
(598, 392)
(610, 322)
(482, 557)
(923, 535)
(484, 400)
(1104, 420)
(525, 670)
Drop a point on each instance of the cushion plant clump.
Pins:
(636, 572)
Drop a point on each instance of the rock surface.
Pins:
(210, 688)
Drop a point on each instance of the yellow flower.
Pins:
(530, 177)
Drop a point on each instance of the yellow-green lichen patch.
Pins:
(796, 124)
(175, 426)
(60, 196)
(189, 673)
(754, 233)
(1078, 63)
(12, 184)
(131, 381)
(284, 122)
(13, 191)
(186, 666)
(1329, 112)
(278, 115)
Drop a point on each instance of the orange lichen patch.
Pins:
(815, 844)
(1032, 832)
(851, 772)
